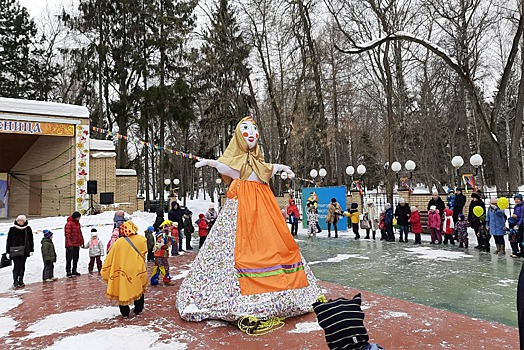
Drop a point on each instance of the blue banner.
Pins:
(324, 195)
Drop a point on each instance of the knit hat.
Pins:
(201, 216)
(128, 228)
(475, 195)
(493, 201)
(517, 196)
(387, 206)
(150, 228)
(461, 216)
(354, 205)
(401, 200)
(175, 224)
(94, 230)
(211, 206)
(413, 209)
(94, 234)
(369, 201)
(333, 200)
(21, 218)
(76, 215)
(435, 192)
(433, 207)
(48, 234)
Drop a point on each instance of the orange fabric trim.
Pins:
(263, 240)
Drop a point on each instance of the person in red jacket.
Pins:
(416, 225)
(448, 228)
(293, 214)
(202, 229)
(73, 241)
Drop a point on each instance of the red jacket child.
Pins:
(448, 228)
(202, 226)
(174, 232)
(434, 219)
(414, 220)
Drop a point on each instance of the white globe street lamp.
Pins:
(410, 165)
(322, 172)
(176, 182)
(350, 170)
(167, 182)
(396, 167)
(457, 162)
(361, 169)
(313, 173)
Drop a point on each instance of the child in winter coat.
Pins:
(448, 228)
(450, 198)
(434, 225)
(461, 229)
(96, 251)
(114, 236)
(382, 226)
(173, 228)
(49, 257)
(188, 228)
(202, 229)
(119, 218)
(312, 217)
(150, 243)
(161, 251)
(513, 232)
(416, 225)
(354, 217)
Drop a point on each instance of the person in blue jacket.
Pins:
(388, 221)
(496, 222)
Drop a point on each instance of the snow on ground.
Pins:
(306, 327)
(108, 339)
(339, 258)
(436, 254)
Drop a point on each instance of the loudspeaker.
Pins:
(107, 198)
(92, 187)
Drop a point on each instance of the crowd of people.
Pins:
(446, 221)
(163, 239)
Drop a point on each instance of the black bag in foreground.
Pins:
(343, 323)
(5, 261)
(18, 250)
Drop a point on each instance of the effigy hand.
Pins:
(284, 168)
(209, 162)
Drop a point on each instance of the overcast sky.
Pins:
(35, 7)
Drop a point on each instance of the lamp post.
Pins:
(475, 161)
(361, 170)
(314, 173)
(409, 166)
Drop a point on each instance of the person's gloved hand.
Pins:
(286, 169)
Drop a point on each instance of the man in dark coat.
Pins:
(176, 214)
(159, 219)
(460, 202)
(437, 202)
(20, 235)
(73, 241)
(475, 221)
(402, 213)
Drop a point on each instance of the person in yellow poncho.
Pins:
(124, 269)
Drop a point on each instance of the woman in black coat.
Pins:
(176, 214)
(20, 235)
(460, 202)
(159, 219)
(475, 221)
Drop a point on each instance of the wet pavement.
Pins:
(73, 312)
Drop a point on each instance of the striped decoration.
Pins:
(270, 271)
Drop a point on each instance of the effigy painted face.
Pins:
(249, 131)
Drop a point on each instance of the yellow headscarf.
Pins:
(239, 157)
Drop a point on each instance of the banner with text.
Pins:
(324, 195)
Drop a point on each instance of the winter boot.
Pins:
(502, 250)
(374, 235)
(367, 236)
(461, 245)
(329, 233)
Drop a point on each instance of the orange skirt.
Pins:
(267, 258)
